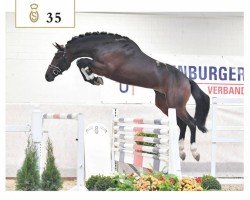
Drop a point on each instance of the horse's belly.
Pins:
(141, 80)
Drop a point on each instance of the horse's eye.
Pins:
(55, 72)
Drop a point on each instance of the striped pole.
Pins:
(141, 121)
(141, 139)
(158, 157)
(137, 129)
(136, 147)
(60, 116)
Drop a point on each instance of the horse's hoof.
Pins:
(99, 80)
(183, 155)
(197, 157)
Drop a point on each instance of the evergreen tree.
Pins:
(51, 177)
(28, 177)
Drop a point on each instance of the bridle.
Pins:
(55, 69)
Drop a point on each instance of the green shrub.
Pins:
(90, 183)
(51, 177)
(210, 183)
(171, 182)
(28, 177)
(123, 183)
(104, 183)
(100, 183)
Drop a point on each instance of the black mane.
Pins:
(92, 35)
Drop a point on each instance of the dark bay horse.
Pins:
(120, 59)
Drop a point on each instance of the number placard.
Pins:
(45, 14)
(57, 18)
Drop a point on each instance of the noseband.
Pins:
(55, 69)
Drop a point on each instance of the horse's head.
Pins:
(58, 65)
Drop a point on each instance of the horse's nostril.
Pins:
(47, 77)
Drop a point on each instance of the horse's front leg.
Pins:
(84, 65)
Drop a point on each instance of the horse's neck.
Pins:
(86, 48)
(77, 54)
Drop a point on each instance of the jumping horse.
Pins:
(120, 59)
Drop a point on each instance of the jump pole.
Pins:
(81, 173)
(174, 160)
(37, 133)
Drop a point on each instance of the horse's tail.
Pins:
(202, 101)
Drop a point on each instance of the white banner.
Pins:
(221, 76)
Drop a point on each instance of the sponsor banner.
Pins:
(114, 92)
(220, 76)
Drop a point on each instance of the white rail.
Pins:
(215, 128)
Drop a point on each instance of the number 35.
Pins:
(57, 17)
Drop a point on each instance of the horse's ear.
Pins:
(59, 47)
(54, 45)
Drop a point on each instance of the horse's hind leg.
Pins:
(160, 102)
(186, 118)
(182, 127)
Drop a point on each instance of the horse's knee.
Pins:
(84, 62)
(86, 72)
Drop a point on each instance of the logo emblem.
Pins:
(34, 15)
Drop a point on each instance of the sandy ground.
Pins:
(67, 185)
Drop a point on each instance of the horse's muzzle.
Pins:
(49, 78)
